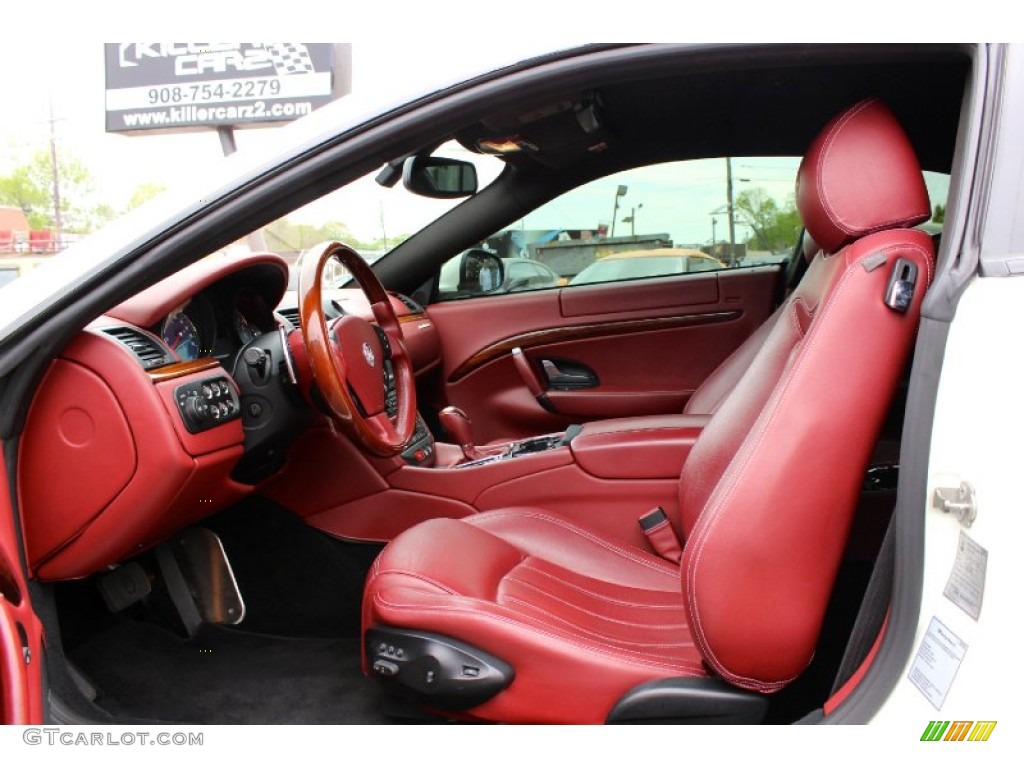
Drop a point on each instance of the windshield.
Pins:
(371, 218)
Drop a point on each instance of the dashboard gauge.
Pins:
(246, 329)
(180, 334)
(251, 316)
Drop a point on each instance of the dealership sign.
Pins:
(169, 86)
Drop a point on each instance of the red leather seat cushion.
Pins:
(581, 618)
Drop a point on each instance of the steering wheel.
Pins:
(347, 358)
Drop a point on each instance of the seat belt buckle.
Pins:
(662, 536)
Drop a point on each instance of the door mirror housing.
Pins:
(480, 272)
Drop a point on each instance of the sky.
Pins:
(72, 85)
(61, 62)
(394, 49)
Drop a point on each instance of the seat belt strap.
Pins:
(659, 532)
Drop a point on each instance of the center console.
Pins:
(524, 447)
(421, 450)
(604, 473)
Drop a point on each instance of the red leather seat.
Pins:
(766, 494)
(713, 390)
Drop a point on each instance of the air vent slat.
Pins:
(291, 315)
(415, 308)
(146, 350)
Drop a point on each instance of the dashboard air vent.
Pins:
(146, 349)
(291, 315)
(415, 308)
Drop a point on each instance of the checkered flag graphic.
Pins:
(290, 58)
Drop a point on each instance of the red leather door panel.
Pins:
(649, 342)
(20, 631)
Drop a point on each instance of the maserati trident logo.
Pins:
(368, 354)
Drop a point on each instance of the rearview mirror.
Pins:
(439, 177)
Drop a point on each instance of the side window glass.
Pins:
(662, 220)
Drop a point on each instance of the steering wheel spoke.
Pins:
(348, 358)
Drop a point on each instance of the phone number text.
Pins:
(203, 92)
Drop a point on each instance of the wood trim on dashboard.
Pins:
(589, 330)
(418, 317)
(177, 370)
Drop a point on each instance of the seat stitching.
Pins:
(585, 534)
(616, 601)
(578, 641)
(420, 577)
(823, 196)
(593, 633)
(801, 332)
(598, 615)
(590, 643)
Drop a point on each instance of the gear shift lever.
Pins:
(457, 424)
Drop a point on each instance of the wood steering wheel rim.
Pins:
(332, 371)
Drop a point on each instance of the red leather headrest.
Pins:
(860, 176)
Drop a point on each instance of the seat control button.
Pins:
(385, 668)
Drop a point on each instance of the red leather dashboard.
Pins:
(107, 468)
(107, 465)
(147, 307)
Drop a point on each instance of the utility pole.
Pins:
(55, 173)
(631, 219)
(619, 192)
(732, 221)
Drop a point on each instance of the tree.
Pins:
(144, 193)
(20, 190)
(285, 235)
(775, 229)
(30, 187)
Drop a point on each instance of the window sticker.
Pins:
(966, 585)
(937, 662)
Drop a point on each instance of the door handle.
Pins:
(566, 374)
(527, 372)
(531, 379)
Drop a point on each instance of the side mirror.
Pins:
(480, 272)
(439, 177)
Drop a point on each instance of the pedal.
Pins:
(205, 566)
(200, 580)
(124, 587)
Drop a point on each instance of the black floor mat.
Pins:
(227, 677)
